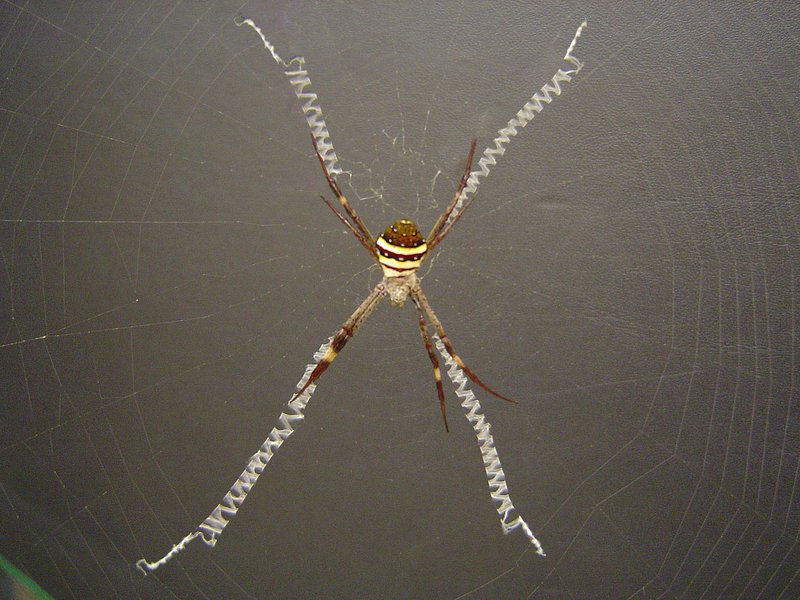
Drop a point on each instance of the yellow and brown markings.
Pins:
(338, 342)
(420, 299)
(437, 375)
(401, 246)
(345, 332)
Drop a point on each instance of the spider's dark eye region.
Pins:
(401, 248)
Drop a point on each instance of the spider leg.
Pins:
(423, 328)
(418, 296)
(452, 222)
(363, 234)
(348, 224)
(437, 235)
(346, 331)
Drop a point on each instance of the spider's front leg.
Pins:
(441, 228)
(355, 225)
(346, 331)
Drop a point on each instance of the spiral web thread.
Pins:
(524, 116)
(510, 519)
(213, 525)
(298, 76)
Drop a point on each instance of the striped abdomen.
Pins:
(401, 249)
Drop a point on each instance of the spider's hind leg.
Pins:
(420, 298)
(346, 331)
(437, 374)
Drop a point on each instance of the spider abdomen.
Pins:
(401, 248)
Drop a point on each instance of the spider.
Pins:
(399, 251)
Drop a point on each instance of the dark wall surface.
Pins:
(628, 272)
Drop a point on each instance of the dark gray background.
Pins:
(628, 272)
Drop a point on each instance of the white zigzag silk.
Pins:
(524, 116)
(211, 528)
(298, 77)
(498, 489)
(213, 525)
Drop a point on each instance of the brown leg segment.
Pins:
(437, 235)
(349, 225)
(437, 374)
(419, 297)
(346, 331)
(363, 235)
